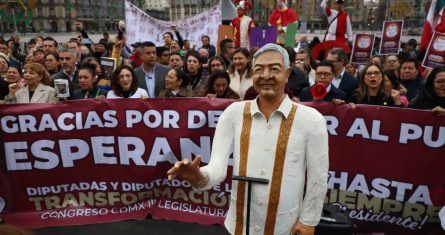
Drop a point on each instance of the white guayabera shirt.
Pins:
(307, 149)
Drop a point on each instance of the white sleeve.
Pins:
(349, 29)
(222, 147)
(323, 5)
(317, 161)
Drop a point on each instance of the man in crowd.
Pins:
(206, 45)
(175, 61)
(392, 62)
(163, 54)
(50, 45)
(150, 74)
(342, 80)
(304, 56)
(272, 116)
(68, 59)
(325, 75)
(75, 45)
(227, 48)
(410, 79)
(339, 22)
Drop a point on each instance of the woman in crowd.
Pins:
(14, 74)
(124, 84)
(36, 87)
(193, 68)
(432, 96)
(240, 72)
(52, 63)
(175, 84)
(87, 81)
(216, 63)
(351, 69)
(219, 86)
(103, 82)
(392, 82)
(372, 89)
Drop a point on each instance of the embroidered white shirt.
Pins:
(307, 150)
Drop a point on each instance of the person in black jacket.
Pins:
(372, 89)
(432, 97)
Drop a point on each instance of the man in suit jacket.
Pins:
(342, 80)
(324, 74)
(150, 75)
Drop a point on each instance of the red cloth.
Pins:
(287, 16)
(236, 23)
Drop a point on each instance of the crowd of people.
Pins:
(178, 70)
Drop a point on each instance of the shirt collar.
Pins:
(284, 108)
(151, 71)
(341, 74)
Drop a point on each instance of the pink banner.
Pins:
(362, 48)
(391, 37)
(106, 160)
(435, 55)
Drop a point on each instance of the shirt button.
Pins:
(256, 228)
(259, 202)
(267, 149)
(269, 126)
(262, 172)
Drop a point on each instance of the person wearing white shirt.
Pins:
(124, 84)
(272, 138)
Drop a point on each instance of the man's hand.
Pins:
(302, 229)
(338, 101)
(439, 111)
(173, 27)
(188, 170)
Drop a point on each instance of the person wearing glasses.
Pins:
(216, 63)
(342, 79)
(432, 96)
(324, 74)
(372, 89)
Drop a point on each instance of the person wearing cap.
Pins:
(242, 25)
(410, 48)
(135, 57)
(271, 138)
(283, 15)
(339, 22)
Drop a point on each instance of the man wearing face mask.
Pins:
(204, 57)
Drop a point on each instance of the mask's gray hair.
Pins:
(276, 48)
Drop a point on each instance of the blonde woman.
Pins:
(35, 88)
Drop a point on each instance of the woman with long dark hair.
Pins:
(124, 84)
(372, 89)
(219, 86)
(432, 97)
(196, 79)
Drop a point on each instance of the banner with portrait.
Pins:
(391, 37)
(362, 48)
(435, 54)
